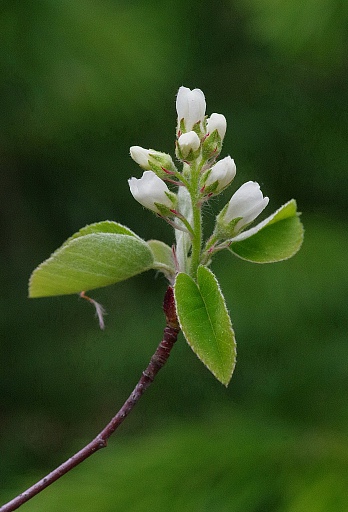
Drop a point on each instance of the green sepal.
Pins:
(212, 145)
(275, 239)
(210, 189)
(164, 210)
(223, 229)
(158, 161)
(182, 126)
(98, 255)
(205, 322)
(197, 127)
(190, 157)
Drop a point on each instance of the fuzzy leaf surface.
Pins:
(105, 226)
(205, 322)
(88, 261)
(275, 239)
(162, 253)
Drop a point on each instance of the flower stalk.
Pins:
(197, 220)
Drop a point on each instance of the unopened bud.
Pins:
(222, 172)
(245, 204)
(217, 122)
(188, 142)
(190, 106)
(150, 159)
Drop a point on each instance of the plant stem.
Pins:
(197, 223)
(158, 359)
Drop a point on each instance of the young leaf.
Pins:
(162, 253)
(205, 322)
(88, 261)
(276, 238)
(105, 226)
(163, 257)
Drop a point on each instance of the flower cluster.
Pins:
(198, 145)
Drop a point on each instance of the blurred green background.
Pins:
(81, 81)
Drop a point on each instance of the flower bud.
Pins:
(188, 142)
(150, 159)
(150, 189)
(190, 106)
(217, 122)
(222, 172)
(140, 156)
(246, 204)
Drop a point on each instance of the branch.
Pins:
(158, 359)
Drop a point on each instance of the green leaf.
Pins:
(205, 322)
(163, 257)
(88, 261)
(106, 226)
(162, 253)
(276, 238)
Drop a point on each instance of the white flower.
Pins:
(217, 122)
(190, 106)
(150, 189)
(140, 156)
(223, 172)
(188, 141)
(247, 202)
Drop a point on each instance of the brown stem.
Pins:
(158, 359)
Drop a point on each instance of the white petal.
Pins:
(217, 122)
(188, 141)
(247, 202)
(140, 156)
(252, 214)
(181, 102)
(150, 189)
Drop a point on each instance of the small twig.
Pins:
(158, 359)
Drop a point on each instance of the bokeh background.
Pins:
(81, 81)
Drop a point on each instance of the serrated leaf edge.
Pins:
(234, 348)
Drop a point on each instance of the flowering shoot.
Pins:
(107, 252)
